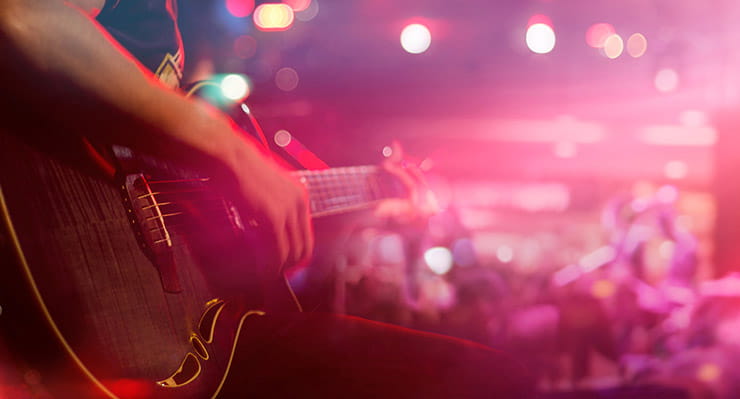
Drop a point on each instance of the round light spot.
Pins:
(666, 80)
(505, 254)
(416, 38)
(387, 151)
(282, 138)
(439, 259)
(540, 38)
(613, 46)
(676, 170)
(597, 34)
(240, 8)
(637, 45)
(235, 87)
(286, 79)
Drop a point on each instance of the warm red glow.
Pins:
(134, 389)
(273, 17)
(539, 19)
(597, 34)
(298, 5)
(240, 8)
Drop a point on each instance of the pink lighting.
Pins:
(597, 34)
(240, 8)
(298, 5)
(666, 80)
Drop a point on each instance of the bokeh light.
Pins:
(613, 46)
(505, 254)
(540, 38)
(597, 34)
(676, 170)
(235, 87)
(439, 259)
(240, 8)
(286, 79)
(387, 151)
(666, 80)
(282, 138)
(273, 17)
(309, 13)
(245, 46)
(416, 38)
(636, 45)
(298, 5)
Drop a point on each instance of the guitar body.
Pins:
(87, 311)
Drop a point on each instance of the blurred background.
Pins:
(582, 155)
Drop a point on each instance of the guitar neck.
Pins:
(341, 190)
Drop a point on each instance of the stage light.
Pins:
(387, 151)
(240, 8)
(245, 46)
(666, 80)
(273, 17)
(636, 45)
(282, 138)
(613, 46)
(540, 38)
(235, 87)
(597, 34)
(298, 5)
(286, 79)
(505, 254)
(439, 259)
(676, 170)
(416, 38)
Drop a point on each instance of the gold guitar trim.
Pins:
(233, 349)
(210, 305)
(40, 300)
(171, 383)
(199, 348)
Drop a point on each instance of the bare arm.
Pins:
(58, 59)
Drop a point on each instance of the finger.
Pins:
(277, 242)
(296, 240)
(306, 228)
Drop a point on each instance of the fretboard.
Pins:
(339, 190)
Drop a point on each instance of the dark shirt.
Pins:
(148, 30)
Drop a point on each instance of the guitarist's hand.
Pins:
(276, 202)
(421, 202)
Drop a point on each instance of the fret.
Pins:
(342, 189)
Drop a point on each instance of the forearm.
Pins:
(63, 63)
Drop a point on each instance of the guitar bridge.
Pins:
(147, 219)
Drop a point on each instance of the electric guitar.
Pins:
(137, 287)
